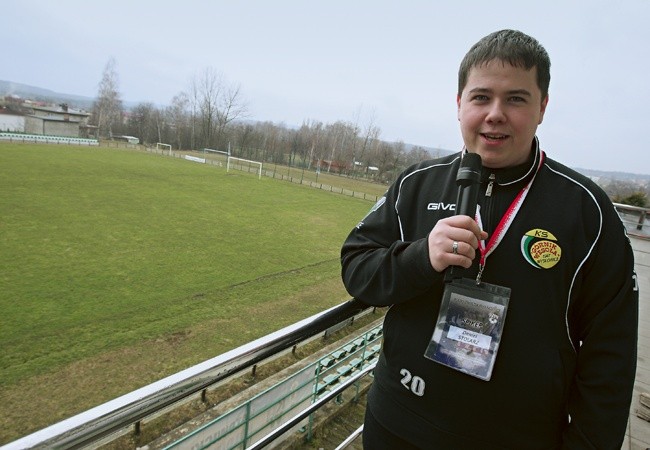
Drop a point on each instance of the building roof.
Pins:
(52, 118)
(59, 110)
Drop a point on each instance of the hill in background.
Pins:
(604, 176)
(41, 94)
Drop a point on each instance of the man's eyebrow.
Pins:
(479, 90)
(523, 92)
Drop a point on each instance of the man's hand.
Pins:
(453, 242)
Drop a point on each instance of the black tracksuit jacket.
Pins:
(564, 373)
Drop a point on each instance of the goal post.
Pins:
(163, 147)
(259, 172)
(215, 157)
(210, 150)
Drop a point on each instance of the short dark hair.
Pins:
(512, 47)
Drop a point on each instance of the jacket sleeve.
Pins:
(604, 324)
(378, 267)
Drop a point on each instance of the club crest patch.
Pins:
(540, 248)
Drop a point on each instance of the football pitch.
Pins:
(119, 267)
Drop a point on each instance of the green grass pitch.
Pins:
(103, 249)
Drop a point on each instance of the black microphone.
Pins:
(468, 180)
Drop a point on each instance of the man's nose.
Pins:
(496, 112)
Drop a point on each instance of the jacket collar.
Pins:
(512, 175)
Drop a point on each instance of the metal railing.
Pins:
(634, 219)
(314, 406)
(268, 412)
(92, 425)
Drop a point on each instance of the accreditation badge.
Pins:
(469, 327)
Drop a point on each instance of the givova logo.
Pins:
(539, 247)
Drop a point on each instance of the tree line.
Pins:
(211, 113)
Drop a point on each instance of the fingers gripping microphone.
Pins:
(468, 181)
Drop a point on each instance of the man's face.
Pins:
(499, 110)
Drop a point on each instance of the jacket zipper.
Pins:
(486, 214)
(488, 191)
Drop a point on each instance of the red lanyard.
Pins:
(504, 223)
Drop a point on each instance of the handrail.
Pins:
(634, 227)
(119, 413)
(355, 434)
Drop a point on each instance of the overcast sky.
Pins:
(394, 63)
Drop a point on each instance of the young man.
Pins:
(545, 266)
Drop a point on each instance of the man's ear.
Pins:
(458, 105)
(542, 110)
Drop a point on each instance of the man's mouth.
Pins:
(494, 137)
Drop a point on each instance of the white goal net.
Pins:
(163, 147)
(243, 163)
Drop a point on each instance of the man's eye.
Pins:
(480, 98)
(517, 99)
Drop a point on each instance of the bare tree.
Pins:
(316, 148)
(385, 158)
(107, 109)
(140, 122)
(177, 115)
(217, 105)
(207, 87)
(416, 154)
(194, 113)
(619, 189)
(245, 135)
(230, 107)
(370, 140)
(159, 124)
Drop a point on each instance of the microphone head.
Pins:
(470, 169)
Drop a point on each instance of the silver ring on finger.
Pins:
(454, 248)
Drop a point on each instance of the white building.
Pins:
(12, 121)
(55, 121)
(19, 116)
